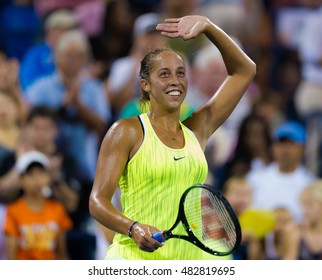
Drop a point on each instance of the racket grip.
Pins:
(159, 236)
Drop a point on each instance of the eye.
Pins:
(164, 74)
(181, 73)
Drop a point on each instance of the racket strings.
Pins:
(209, 220)
(226, 222)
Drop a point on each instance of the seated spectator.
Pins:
(282, 243)
(311, 228)
(35, 226)
(38, 61)
(280, 183)
(253, 148)
(41, 132)
(238, 192)
(83, 111)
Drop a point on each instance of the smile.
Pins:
(174, 93)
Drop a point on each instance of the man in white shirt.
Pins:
(280, 184)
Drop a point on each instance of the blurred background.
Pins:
(69, 69)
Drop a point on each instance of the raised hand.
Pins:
(187, 27)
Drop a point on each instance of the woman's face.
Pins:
(255, 136)
(168, 83)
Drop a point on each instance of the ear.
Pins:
(145, 85)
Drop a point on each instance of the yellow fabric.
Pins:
(151, 186)
(257, 221)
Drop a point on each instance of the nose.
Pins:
(175, 80)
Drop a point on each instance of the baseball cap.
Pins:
(290, 130)
(61, 19)
(145, 23)
(29, 158)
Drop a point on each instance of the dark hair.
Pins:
(41, 111)
(146, 67)
(33, 166)
(242, 150)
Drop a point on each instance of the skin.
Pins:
(168, 74)
(287, 154)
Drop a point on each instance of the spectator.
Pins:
(238, 192)
(10, 134)
(280, 183)
(115, 40)
(83, 110)
(311, 228)
(307, 97)
(282, 243)
(35, 226)
(39, 59)
(12, 116)
(253, 149)
(9, 81)
(41, 133)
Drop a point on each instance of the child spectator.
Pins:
(35, 226)
(282, 242)
(311, 228)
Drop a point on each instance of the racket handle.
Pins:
(159, 236)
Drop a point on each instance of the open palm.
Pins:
(187, 27)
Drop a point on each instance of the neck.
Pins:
(35, 202)
(165, 121)
(287, 168)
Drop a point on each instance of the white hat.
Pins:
(146, 23)
(61, 19)
(26, 159)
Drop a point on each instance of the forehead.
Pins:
(167, 59)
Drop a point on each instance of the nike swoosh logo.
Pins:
(178, 158)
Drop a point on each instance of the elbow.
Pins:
(252, 70)
(92, 205)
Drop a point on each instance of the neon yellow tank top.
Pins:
(151, 186)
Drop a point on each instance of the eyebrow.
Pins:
(167, 68)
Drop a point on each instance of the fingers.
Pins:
(168, 27)
(143, 237)
(172, 20)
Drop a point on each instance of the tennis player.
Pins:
(155, 157)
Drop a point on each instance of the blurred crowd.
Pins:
(69, 68)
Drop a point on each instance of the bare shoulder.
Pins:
(126, 133)
(126, 125)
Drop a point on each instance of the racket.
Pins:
(208, 220)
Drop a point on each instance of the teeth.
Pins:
(174, 93)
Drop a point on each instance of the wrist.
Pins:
(130, 234)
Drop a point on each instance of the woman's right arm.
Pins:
(114, 154)
(119, 144)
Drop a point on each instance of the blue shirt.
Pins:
(81, 142)
(37, 62)
(20, 27)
